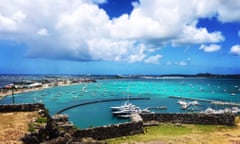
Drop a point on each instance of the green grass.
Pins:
(41, 120)
(152, 133)
(167, 129)
(165, 132)
(210, 128)
(31, 127)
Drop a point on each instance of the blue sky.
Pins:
(119, 37)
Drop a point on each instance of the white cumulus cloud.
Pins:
(228, 11)
(210, 48)
(11, 22)
(235, 50)
(194, 35)
(182, 63)
(43, 32)
(80, 30)
(153, 59)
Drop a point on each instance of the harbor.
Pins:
(100, 101)
(83, 101)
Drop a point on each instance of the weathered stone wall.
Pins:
(215, 119)
(111, 131)
(21, 107)
(51, 132)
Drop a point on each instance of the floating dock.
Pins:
(216, 102)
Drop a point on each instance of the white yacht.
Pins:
(127, 111)
(126, 105)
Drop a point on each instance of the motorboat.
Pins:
(124, 116)
(126, 105)
(127, 109)
(181, 102)
(193, 103)
(126, 113)
(185, 105)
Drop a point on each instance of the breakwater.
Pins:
(99, 101)
(193, 118)
(21, 107)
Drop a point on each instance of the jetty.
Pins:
(215, 102)
(102, 100)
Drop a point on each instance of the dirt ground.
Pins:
(13, 126)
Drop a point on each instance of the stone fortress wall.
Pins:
(116, 130)
(191, 118)
(21, 107)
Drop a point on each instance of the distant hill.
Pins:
(204, 75)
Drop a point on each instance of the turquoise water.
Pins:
(158, 91)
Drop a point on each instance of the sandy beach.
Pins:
(8, 92)
(16, 91)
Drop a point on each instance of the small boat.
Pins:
(73, 92)
(124, 116)
(184, 106)
(126, 113)
(209, 111)
(123, 112)
(235, 110)
(126, 110)
(194, 103)
(146, 110)
(181, 102)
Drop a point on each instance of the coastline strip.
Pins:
(8, 92)
(99, 101)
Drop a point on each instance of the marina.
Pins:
(84, 102)
(99, 101)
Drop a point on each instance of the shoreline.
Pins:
(8, 92)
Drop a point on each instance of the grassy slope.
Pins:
(185, 134)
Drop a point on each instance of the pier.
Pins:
(216, 102)
(99, 101)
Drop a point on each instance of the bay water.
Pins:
(158, 90)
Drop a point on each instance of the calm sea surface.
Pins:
(158, 91)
